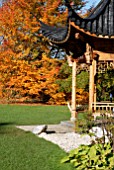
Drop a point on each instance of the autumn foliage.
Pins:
(24, 82)
(27, 74)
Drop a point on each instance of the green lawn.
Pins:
(32, 115)
(21, 150)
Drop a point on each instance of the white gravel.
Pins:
(64, 137)
(67, 141)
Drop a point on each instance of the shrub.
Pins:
(94, 157)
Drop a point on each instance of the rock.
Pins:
(39, 129)
(98, 132)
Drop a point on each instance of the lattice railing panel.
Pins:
(102, 66)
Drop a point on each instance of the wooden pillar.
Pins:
(91, 62)
(95, 94)
(73, 112)
(91, 86)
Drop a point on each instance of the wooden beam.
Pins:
(79, 36)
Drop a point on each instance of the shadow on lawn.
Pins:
(7, 128)
(6, 123)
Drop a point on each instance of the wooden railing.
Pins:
(102, 106)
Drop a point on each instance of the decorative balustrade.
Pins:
(102, 106)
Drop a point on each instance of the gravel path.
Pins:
(67, 141)
(63, 136)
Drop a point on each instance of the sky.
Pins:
(0, 2)
(91, 2)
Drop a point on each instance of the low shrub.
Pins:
(93, 157)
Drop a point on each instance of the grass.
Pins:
(32, 115)
(21, 150)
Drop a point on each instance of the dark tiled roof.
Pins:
(99, 22)
(56, 35)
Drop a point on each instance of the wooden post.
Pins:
(91, 86)
(95, 94)
(89, 60)
(73, 114)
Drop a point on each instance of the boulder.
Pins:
(98, 133)
(39, 129)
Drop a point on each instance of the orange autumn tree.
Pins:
(19, 20)
(19, 27)
(26, 82)
(22, 50)
(26, 75)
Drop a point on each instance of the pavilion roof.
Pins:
(100, 23)
(57, 35)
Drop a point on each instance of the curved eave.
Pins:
(98, 10)
(93, 15)
(100, 22)
(91, 34)
(56, 35)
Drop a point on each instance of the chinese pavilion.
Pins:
(91, 37)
